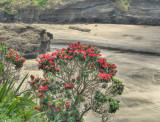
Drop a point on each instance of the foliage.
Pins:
(122, 5)
(5, 117)
(13, 104)
(12, 6)
(13, 61)
(125, 3)
(40, 2)
(76, 80)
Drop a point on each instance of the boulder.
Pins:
(26, 39)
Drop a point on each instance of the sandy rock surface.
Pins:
(26, 39)
(140, 72)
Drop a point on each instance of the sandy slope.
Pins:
(139, 72)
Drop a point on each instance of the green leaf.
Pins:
(28, 114)
(20, 85)
(28, 102)
(1, 68)
(3, 90)
(10, 86)
(13, 105)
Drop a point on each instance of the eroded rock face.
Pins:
(26, 39)
(146, 12)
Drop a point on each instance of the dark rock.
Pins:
(26, 39)
(79, 29)
(146, 12)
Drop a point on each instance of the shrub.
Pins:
(13, 62)
(15, 106)
(76, 80)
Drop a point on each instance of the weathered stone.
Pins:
(79, 29)
(26, 39)
(146, 12)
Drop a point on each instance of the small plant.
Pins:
(122, 5)
(76, 80)
(12, 59)
(14, 106)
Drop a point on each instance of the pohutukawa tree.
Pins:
(76, 80)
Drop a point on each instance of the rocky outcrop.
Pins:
(145, 12)
(26, 39)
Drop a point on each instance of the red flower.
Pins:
(105, 76)
(57, 109)
(39, 94)
(32, 77)
(67, 104)
(89, 54)
(78, 78)
(23, 60)
(45, 88)
(58, 69)
(70, 57)
(42, 61)
(60, 56)
(104, 66)
(69, 85)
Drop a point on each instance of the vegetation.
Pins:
(76, 80)
(14, 106)
(12, 6)
(122, 5)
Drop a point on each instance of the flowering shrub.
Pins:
(12, 59)
(9, 55)
(76, 79)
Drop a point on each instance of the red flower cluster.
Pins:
(15, 58)
(103, 62)
(45, 88)
(49, 62)
(84, 50)
(48, 59)
(36, 82)
(104, 76)
(105, 65)
(67, 103)
(69, 85)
